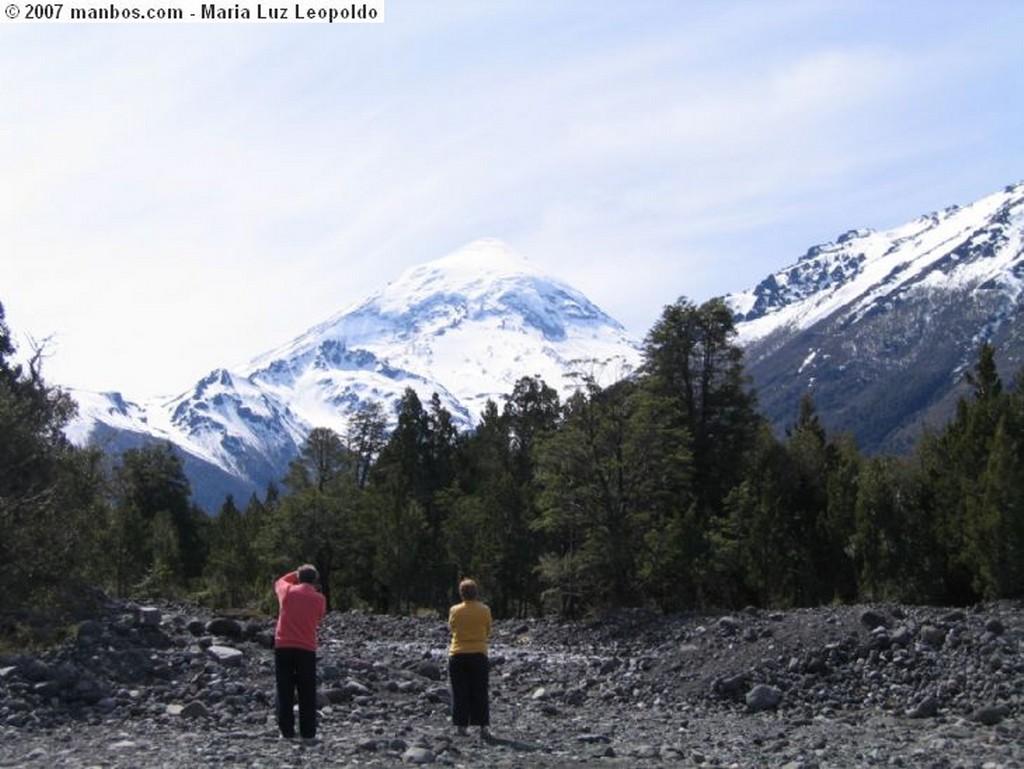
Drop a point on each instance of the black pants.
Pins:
(296, 670)
(468, 674)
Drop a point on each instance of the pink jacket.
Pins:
(302, 608)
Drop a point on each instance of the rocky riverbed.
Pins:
(173, 686)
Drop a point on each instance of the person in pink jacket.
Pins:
(295, 644)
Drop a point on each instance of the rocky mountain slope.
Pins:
(880, 326)
(466, 326)
(173, 686)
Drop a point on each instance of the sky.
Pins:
(176, 198)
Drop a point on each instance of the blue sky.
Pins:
(178, 197)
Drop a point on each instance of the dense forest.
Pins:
(665, 489)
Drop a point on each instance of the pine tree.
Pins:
(955, 460)
(415, 467)
(50, 493)
(366, 437)
(995, 534)
(896, 544)
(690, 357)
(695, 372)
(491, 507)
(157, 520)
(608, 476)
(316, 521)
(232, 564)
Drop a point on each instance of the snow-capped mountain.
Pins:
(466, 326)
(881, 326)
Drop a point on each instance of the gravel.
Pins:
(859, 686)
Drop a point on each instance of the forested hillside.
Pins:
(666, 489)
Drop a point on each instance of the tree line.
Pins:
(664, 488)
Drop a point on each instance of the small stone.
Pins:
(226, 655)
(871, 619)
(150, 615)
(728, 625)
(195, 709)
(89, 628)
(226, 628)
(927, 708)
(428, 670)
(902, 636)
(353, 688)
(990, 715)
(418, 755)
(763, 697)
(732, 687)
(196, 627)
(933, 636)
(34, 670)
(995, 626)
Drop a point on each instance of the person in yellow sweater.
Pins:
(468, 666)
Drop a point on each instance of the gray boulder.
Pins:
(763, 697)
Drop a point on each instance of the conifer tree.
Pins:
(896, 545)
(691, 358)
(166, 530)
(232, 566)
(414, 467)
(316, 520)
(752, 542)
(955, 460)
(366, 437)
(492, 503)
(695, 370)
(605, 476)
(995, 521)
(50, 492)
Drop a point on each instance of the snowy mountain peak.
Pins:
(466, 326)
(877, 323)
(477, 261)
(483, 277)
(880, 326)
(471, 270)
(863, 268)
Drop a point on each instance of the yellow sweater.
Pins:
(470, 623)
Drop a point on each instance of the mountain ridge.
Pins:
(841, 265)
(465, 326)
(878, 326)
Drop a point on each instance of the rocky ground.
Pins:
(171, 686)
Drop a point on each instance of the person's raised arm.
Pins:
(283, 583)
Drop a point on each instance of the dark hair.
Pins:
(468, 590)
(308, 573)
